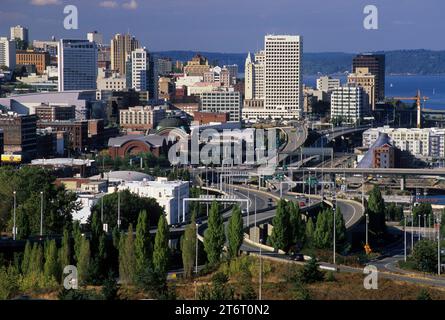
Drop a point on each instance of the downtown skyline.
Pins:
(159, 24)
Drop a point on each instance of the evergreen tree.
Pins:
(340, 230)
(309, 233)
(281, 232)
(51, 267)
(142, 243)
(65, 250)
(83, 263)
(323, 229)
(161, 250)
(376, 212)
(98, 250)
(77, 235)
(296, 223)
(235, 232)
(188, 248)
(127, 258)
(36, 262)
(214, 237)
(26, 262)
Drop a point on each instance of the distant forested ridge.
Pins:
(422, 62)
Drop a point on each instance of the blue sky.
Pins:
(238, 25)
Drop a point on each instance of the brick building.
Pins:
(36, 58)
(19, 134)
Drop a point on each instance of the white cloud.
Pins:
(45, 2)
(132, 5)
(108, 4)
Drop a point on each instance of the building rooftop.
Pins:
(124, 176)
(62, 162)
(152, 139)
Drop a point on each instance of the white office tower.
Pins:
(77, 65)
(349, 104)
(327, 84)
(139, 70)
(96, 37)
(7, 53)
(283, 89)
(254, 77)
(19, 32)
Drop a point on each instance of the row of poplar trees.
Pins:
(291, 229)
(216, 237)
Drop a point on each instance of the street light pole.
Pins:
(404, 231)
(438, 244)
(261, 272)
(118, 210)
(196, 253)
(41, 213)
(419, 235)
(412, 233)
(102, 209)
(366, 227)
(14, 231)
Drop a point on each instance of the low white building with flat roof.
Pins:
(168, 194)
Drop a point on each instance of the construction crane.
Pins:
(418, 98)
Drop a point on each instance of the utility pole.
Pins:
(41, 213)
(366, 224)
(14, 231)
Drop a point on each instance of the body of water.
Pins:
(406, 86)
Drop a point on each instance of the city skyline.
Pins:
(249, 21)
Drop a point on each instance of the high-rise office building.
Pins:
(20, 32)
(121, 47)
(95, 37)
(366, 80)
(77, 63)
(273, 85)
(327, 84)
(7, 53)
(376, 66)
(283, 89)
(222, 101)
(349, 104)
(141, 72)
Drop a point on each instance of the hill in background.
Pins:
(421, 62)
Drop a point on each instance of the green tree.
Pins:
(83, 263)
(110, 288)
(235, 232)
(132, 205)
(127, 257)
(309, 233)
(340, 230)
(324, 229)
(296, 223)
(65, 250)
(36, 261)
(425, 256)
(143, 249)
(51, 267)
(188, 248)
(421, 211)
(98, 250)
(310, 273)
(219, 289)
(77, 235)
(376, 212)
(26, 258)
(161, 250)
(281, 232)
(214, 237)
(9, 282)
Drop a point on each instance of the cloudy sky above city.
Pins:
(238, 25)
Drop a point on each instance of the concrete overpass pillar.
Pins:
(402, 183)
